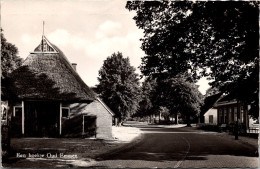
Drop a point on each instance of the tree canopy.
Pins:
(218, 40)
(172, 96)
(9, 62)
(119, 85)
(9, 57)
(146, 104)
(180, 96)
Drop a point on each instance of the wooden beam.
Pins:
(60, 118)
(83, 126)
(22, 117)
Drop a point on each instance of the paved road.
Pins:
(181, 148)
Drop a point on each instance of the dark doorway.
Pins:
(41, 119)
(210, 118)
(16, 122)
(89, 126)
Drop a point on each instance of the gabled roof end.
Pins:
(45, 47)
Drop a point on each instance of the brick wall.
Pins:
(104, 119)
(72, 126)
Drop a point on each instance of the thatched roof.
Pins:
(59, 81)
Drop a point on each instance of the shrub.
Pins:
(209, 127)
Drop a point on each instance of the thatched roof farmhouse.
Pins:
(49, 60)
(52, 100)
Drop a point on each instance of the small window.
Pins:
(17, 111)
(235, 113)
(242, 117)
(65, 112)
(230, 117)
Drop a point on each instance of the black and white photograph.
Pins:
(129, 84)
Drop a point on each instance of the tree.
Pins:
(146, 101)
(180, 96)
(9, 62)
(9, 58)
(164, 111)
(170, 96)
(119, 86)
(213, 39)
(211, 91)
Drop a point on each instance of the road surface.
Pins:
(181, 148)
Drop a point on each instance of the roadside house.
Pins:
(230, 110)
(53, 101)
(208, 113)
(210, 116)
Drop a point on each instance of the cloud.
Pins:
(29, 43)
(63, 39)
(129, 45)
(60, 37)
(108, 29)
(30, 39)
(100, 48)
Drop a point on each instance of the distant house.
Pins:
(208, 112)
(225, 109)
(231, 110)
(211, 116)
(53, 101)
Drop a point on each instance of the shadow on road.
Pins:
(174, 144)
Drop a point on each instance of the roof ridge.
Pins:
(49, 43)
(45, 47)
(105, 106)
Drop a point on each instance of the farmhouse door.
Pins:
(16, 122)
(41, 119)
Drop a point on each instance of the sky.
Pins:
(87, 31)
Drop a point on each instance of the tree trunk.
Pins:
(176, 118)
(119, 121)
(188, 121)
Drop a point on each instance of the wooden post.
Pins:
(247, 108)
(60, 118)
(83, 126)
(23, 118)
(159, 117)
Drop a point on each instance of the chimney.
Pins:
(74, 65)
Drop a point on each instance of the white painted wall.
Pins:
(213, 112)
